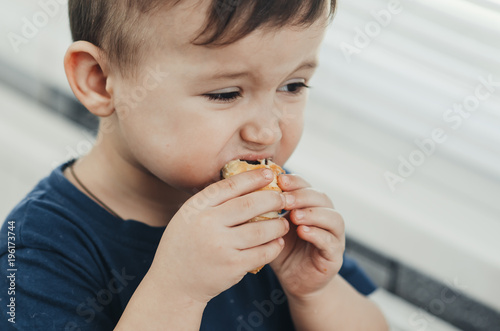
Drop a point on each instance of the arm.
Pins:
(159, 306)
(307, 268)
(337, 307)
(207, 247)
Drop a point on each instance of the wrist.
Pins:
(167, 289)
(316, 299)
(156, 304)
(336, 307)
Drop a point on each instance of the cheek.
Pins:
(181, 147)
(292, 127)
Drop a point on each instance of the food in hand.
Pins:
(238, 166)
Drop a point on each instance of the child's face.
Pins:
(167, 124)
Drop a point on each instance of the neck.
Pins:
(128, 189)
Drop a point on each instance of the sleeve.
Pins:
(49, 281)
(355, 276)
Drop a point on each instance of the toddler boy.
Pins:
(140, 234)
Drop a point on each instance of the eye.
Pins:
(294, 88)
(223, 96)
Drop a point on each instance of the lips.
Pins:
(253, 159)
(257, 161)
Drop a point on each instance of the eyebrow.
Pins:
(243, 74)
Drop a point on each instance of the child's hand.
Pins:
(314, 247)
(208, 246)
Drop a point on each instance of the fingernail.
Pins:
(299, 214)
(281, 241)
(284, 180)
(268, 174)
(306, 228)
(290, 199)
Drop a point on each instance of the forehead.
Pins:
(178, 27)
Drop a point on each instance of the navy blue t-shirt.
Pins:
(67, 264)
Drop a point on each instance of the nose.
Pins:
(263, 128)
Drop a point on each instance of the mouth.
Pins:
(253, 160)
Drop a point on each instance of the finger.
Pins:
(263, 254)
(229, 188)
(329, 246)
(323, 218)
(292, 182)
(241, 209)
(258, 233)
(306, 197)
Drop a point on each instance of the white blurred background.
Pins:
(371, 104)
(393, 76)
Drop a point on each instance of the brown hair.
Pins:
(118, 27)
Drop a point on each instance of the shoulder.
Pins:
(35, 216)
(49, 218)
(55, 259)
(46, 234)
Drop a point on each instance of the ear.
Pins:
(87, 73)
